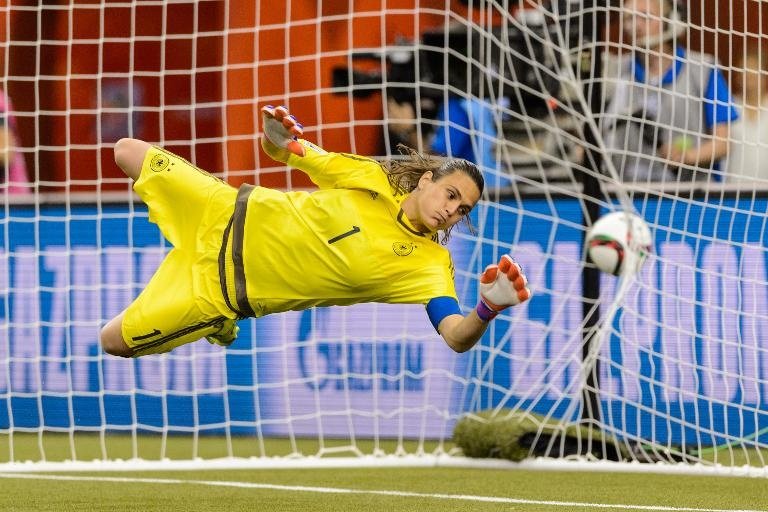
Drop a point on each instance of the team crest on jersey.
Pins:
(159, 163)
(403, 248)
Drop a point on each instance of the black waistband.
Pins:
(236, 229)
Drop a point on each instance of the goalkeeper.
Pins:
(371, 233)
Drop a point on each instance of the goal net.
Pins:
(572, 109)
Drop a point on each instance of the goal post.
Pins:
(676, 364)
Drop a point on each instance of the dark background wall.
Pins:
(192, 77)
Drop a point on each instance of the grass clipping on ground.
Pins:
(517, 435)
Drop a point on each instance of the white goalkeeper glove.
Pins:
(501, 286)
(281, 129)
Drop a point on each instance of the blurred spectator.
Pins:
(748, 156)
(669, 115)
(465, 129)
(464, 122)
(14, 169)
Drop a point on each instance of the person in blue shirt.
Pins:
(464, 128)
(462, 121)
(671, 109)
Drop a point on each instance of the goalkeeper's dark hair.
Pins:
(404, 174)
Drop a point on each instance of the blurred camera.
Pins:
(504, 62)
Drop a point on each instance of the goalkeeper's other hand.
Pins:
(282, 129)
(501, 286)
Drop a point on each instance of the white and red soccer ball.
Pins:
(619, 242)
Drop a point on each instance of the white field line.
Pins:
(341, 490)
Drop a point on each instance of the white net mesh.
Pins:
(571, 109)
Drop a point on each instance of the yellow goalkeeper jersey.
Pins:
(345, 243)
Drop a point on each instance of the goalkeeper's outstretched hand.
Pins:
(282, 129)
(501, 286)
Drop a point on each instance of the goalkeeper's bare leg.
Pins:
(112, 338)
(129, 156)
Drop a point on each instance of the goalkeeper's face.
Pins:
(439, 203)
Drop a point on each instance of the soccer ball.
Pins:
(619, 242)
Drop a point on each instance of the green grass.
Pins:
(57, 447)
(366, 489)
(525, 491)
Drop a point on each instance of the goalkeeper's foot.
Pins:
(226, 335)
(282, 129)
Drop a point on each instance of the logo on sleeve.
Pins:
(159, 163)
(403, 248)
(317, 149)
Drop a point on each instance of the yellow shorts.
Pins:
(183, 301)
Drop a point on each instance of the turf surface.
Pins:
(318, 490)
(423, 490)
